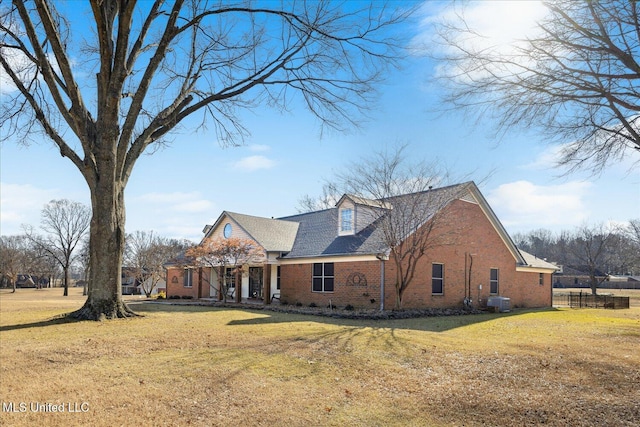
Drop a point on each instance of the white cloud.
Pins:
(22, 67)
(252, 163)
(550, 159)
(22, 204)
(499, 27)
(173, 214)
(546, 159)
(522, 205)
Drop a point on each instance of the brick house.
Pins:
(338, 257)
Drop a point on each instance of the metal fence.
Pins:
(588, 300)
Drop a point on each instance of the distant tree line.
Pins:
(59, 249)
(595, 249)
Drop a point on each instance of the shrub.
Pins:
(313, 305)
(349, 307)
(298, 304)
(161, 295)
(187, 297)
(174, 297)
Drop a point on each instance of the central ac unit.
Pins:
(501, 304)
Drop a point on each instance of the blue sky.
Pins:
(179, 189)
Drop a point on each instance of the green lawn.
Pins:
(186, 365)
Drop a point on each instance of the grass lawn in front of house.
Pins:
(188, 365)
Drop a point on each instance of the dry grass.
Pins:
(182, 365)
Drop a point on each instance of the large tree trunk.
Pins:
(106, 246)
(66, 281)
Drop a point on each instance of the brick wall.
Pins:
(355, 283)
(199, 287)
(467, 243)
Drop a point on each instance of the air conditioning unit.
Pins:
(501, 304)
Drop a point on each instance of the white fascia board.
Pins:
(334, 258)
(497, 225)
(530, 269)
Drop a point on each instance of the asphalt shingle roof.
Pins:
(272, 234)
(318, 231)
(534, 261)
(317, 236)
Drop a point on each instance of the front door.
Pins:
(255, 282)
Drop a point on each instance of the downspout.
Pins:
(382, 258)
(468, 301)
(381, 285)
(550, 287)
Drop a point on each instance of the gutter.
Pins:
(382, 258)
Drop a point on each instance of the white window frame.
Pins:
(323, 278)
(350, 222)
(188, 278)
(441, 279)
(496, 281)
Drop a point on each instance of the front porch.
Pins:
(249, 284)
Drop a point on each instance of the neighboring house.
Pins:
(26, 281)
(337, 257)
(31, 281)
(576, 276)
(130, 285)
(161, 286)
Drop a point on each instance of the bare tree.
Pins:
(399, 198)
(13, 257)
(65, 223)
(575, 78)
(633, 231)
(158, 63)
(225, 255)
(43, 265)
(146, 255)
(328, 199)
(632, 236)
(591, 247)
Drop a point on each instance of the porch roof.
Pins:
(273, 235)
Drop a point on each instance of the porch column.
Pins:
(266, 283)
(238, 293)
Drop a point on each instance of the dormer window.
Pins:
(346, 221)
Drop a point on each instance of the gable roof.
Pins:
(273, 235)
(475, 193)
(317, 234)
(534, 261)
(364, 201)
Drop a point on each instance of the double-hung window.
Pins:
(322, 280)
(493, 281)
(346, 220)
(188, 277)
(437, 279)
